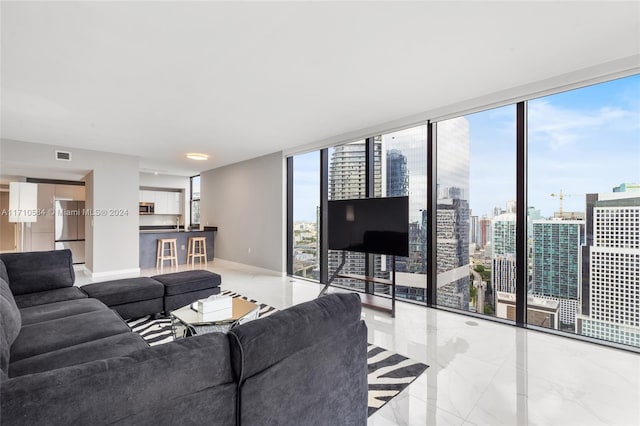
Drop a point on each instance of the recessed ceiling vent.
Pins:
(63, 155)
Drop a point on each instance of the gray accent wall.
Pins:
(246, 202)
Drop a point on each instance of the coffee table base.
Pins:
(185, 321)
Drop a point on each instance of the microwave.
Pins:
(147, 208)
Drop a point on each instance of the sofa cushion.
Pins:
(51, 296)
(3, 272)
(108, 347)
(187, 281)
(183, 382)
(120, 292)
(10, 314)
(42, 337)
(10, 323)
(38, 270)
(67, 308)
(139, 309)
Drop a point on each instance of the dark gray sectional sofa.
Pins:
(66, 359)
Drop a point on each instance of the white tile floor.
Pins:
(481, 372)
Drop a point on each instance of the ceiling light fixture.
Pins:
(197, 156)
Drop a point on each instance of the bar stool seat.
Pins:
(197, 250)
(167, 250)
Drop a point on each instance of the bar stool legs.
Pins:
(197, 250)
(167, 250)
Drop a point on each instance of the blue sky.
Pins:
(581, 141)
(306, 190)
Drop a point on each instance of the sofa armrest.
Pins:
(190, 379)
(38, 270)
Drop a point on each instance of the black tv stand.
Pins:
(368, 299)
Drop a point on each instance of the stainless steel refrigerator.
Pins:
(69, 228)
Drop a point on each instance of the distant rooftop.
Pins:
(627, 187)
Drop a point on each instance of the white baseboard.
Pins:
(231, 264)
(133, 272)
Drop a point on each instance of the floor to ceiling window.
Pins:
(348, 180)
(557, 177)
(584, 199)
(476, 219)
(403, 171)
(306, 204)
(195, 200)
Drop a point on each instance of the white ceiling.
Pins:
(238, 80)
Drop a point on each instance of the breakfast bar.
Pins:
(149, 239)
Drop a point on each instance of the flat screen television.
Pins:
(370, 225)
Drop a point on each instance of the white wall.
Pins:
(246, 202)
(116, 239)
(111, 183)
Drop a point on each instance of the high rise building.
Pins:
(347, 171)
(484, 236)
(347, 180)
(627, 187)
(556, 264)
(613, 311)
(503, 234)
(452, 216)
(503, 270)
(453, 252)
(532, 215)
(473, 229)
(503, 250)
(397, 183)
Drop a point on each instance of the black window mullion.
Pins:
(522, 272)
(323, 233)
(369, 193)
(431, 222)
(290, 215)
(191, 200)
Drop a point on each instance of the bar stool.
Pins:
(167, 245)
(197, 249)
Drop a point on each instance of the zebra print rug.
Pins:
(389, 372)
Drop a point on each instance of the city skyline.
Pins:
(582, 144)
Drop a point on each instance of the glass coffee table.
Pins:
(187, 321)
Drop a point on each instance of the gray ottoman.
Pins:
(130, 297)
(183, 288)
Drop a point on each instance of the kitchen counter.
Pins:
(164, 229)
(149, 239)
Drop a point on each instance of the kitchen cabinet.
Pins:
(147, 196)
(165, 202)
(162, 202)
(175, 203)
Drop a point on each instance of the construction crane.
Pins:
(561, 197)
